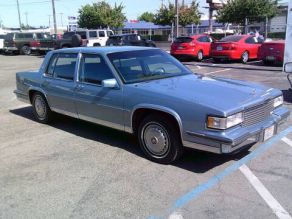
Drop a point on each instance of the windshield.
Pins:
(231, 39)
(145, 65)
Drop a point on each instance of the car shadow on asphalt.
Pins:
(192, 160)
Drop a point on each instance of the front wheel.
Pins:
(245, 57)
(41, 109)
(159, 139)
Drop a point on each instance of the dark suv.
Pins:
(129, 40)
(19, 43)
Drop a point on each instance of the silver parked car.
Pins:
(147, 92)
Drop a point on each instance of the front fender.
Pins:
(158, 108)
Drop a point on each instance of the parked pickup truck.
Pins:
(147, 92)
(129, 40)
(19, 43)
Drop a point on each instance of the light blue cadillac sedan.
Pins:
(146, 92)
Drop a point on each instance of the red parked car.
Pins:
(272, 52)
(236, 47)
(196, 46)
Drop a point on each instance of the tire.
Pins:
(41, 109)
(76, 40)
(25, 50)
(244, 57)
(159, 139)
(200, 56)
(216, 60)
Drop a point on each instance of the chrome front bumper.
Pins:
(244, 136)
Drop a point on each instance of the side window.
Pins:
(101, 33)
(203, 39)
(93, 69)
(109, 33)
(250, 40)
(51, 66)
(92, 34)
(65, 66)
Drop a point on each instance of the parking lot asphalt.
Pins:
(74, 169)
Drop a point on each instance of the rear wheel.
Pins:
(25, 50)
(245, 57)
(41, 109)
(200, 56)
(159, 139)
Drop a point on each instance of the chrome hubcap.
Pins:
(155, 139)
(40, 107)
(245, 57)
(200, 55)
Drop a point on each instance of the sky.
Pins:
(38, 12)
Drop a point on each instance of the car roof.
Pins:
(103, 50)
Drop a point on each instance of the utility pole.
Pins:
(19, 19)
(54, 16)
(176, 18)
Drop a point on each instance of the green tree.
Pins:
(187, 14)
(235, 11)
(146, 16)
(190, 15)
(101, 14)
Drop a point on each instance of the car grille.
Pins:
(257, 113)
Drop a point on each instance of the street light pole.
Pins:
(19, 19)
(26, 18)
(176, 18)
(54, 16)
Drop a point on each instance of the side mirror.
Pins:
(110, 83)
(288, 67)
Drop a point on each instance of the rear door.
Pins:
(94, 102)
(59, 84)
(205, 45)
(252, 45)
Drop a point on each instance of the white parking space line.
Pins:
(287, 141)
(264, 193)
(212, 72)
(176, 215)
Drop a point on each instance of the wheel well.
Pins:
(25, 45)
(96, 44)
(32, 92)
(140, 114)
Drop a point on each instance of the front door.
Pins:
(59, 83)
(94, 102)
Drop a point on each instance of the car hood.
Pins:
(222, 94)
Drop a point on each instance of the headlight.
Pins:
(278, 101)
(224, 123)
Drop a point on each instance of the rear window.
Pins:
(231, 39)
(2, 36)
(82, 34)
(68, 35)
(183, 40)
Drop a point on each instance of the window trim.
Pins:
(81, 54)
(54, 74)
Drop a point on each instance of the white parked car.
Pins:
(2, 42)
